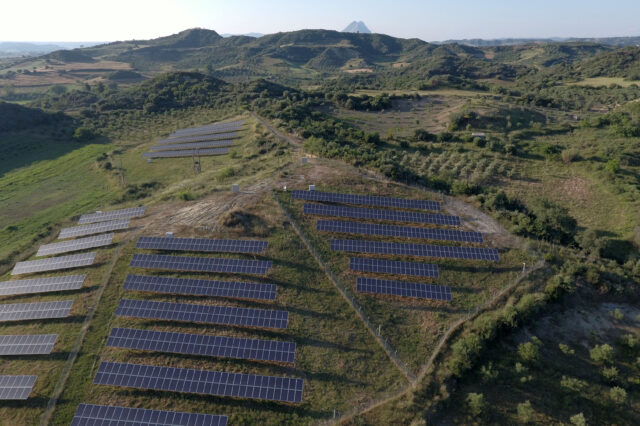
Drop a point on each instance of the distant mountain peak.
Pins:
(357, 27)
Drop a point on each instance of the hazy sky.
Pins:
(110, 20)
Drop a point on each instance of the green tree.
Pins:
(526, 413)
(476, 404)
(618, 395)
(578, 420)
(529, 352)
(83, 134)
(602, 354)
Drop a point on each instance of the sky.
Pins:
(429, 20)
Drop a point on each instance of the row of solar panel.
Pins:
(197, 344)
(403, 289)
(376, 214)
(27, 344)
(368, 200)
(201, 264)
(54, 263)
(196, 145)
(186, 153)
(16, 387)
(202, 382)
(93, 228)
(207, 314)
(210, 128)
(93, 241)
(425, 250)
(41, 285)
(35, 310)
(198, 138)
(111, 215)
(106, 415)
(202, 244)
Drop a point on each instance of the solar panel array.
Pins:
(37, 310)
(93, 228)
(31, 344)
(393, 267)
(398, 231)
(195, 287)
(112, 215)
(16, 387)
(202, 244)
(201, 264)
(75, 245)
(209, 128)
(426, 250)
(197, 145)
(42, 285)
(54, 263)
(198, 138)
(186, 153)
(389, 215)
(91, 415)
(197, 344)
(403, 289)
(366, 200)
(208, 314)
(200, 382)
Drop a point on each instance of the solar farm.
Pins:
(238, 323)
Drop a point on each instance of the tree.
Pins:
(529, 352)
(578, 420)
(83, 134)
(475, 404)
(526, 413)
(618, 395)
(602, 354)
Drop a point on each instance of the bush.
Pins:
(602, 354)
(465, 352)
(529, 352)
(423, 135)
(83, 134)
(526, 412)
(616, 314)
(569, 155)
(610, 374)
(225, 174)
(566, 349)
(612, 166)
(578, 420)
(573, 384)
(476, 404)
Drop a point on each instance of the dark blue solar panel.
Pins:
(186, 153)
(367, 200)
(389, 215)
(201, 264)
(195, 145)
(403, 289)
(16, 387)
(170, 285)
(202, 244)
(427, 250)
(202, 382)
(208, 129)
(199, 138)
(381, 266)
(209, 314)
(105, 415)
(347, 227)
(197, 344)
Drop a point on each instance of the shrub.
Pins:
(475, 404)
(225, 174)
(616, 314)
(569, 155)
(526, 412)
(566, 349)
(488, 373)
(465, 352)
(573, 384)
(602, 354)
(610, 374)
(578, 420)
(83, 134)
(529, 352)
(612, 166)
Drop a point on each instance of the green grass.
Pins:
(604, 81)
(337, 357)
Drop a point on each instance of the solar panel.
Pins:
(390, 215)
(208, 314)
(54, 263)
(30, 344)
(198, 138)
(367, 200)
(41, 285)
(382, 266)
(92, 415)
(201, 264)
(426, 250)
(209, 128)
(194, 287)
(16, 387)
(197, 344)
(93, 228)
(202, 244)
(186, 153)
(112, 215)
(398, 231)
(202, 382)
(204, 132)
(37, 310)
(196, 145)
(75, 245)
(403, 289)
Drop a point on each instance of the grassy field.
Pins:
(336, 356)
(411, 326)
(604, 81)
